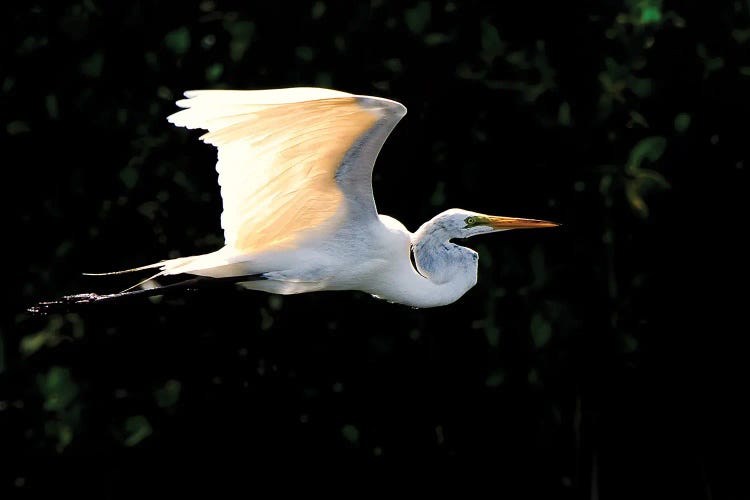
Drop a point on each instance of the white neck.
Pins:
(444, 271)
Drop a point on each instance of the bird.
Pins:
(295, 172)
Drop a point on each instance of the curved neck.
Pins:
(436, 273)
(451, 266)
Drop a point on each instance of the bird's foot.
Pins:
(64, 304)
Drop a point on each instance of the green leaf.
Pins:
(642, 87)
(32, 343)
(741, 36)
(492, 333)
(644, 180)
(57, 388)
(350, 433)
(149, 209)
(541, 330)
(8, 84)
(630, 343)
(648, 180)
(486, 261)
(165, 93)
(53, 109)
(650, 148)
(636, 201)
(682, 122)
(242, 35)
(714, 64)
(214, 72)
(465, 71)
(31, 44)
(393, 65)
(418, 17)
(305, 53)
(62, 431)
(438, 196)
(492, 45)
(64, 435)
(517, 58)
(129, 176)
(432, 39)
(2, 354)
(137, 428)
(318, 9)
(92, 65)
(17, 127)
(495, 379)
(651, 14)
(168, 395)
(637, 119)
(324, 79)
(151, 59)
(563, 114)
(183, 181)
(178, 41)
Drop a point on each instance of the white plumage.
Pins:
(295, 169)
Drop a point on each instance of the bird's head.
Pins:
(459, 223)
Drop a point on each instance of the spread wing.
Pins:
(292, 162)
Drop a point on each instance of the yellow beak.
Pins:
(497, 222)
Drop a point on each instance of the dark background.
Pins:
(603, 359)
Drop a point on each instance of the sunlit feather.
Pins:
(279, 152)
(295, 170)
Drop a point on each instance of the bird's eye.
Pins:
(470, 221)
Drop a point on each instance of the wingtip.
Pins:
(179, 119)
(381, 103)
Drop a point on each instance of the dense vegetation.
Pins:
(604, 358)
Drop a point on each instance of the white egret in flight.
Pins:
(295, 170)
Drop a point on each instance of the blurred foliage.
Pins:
(575, 366)
(60, 393)
(169, 394)
(137, 428)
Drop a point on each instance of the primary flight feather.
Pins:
(295, 170)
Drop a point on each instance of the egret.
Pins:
(295, 170)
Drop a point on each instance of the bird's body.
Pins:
(374, 258)
(295, 169)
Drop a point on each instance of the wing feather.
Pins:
(291, 162)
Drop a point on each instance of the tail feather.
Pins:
(126, 271)
(165, 267)
(170, 266)
(160, 273)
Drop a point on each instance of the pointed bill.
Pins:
(498, 222)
